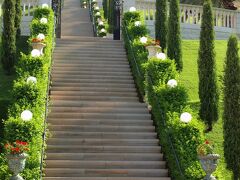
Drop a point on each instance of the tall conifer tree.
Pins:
(208, 91)
(231, 115)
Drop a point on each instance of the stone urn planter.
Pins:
(39, 46)
(153, 50)
(16, 163)
(209, 164)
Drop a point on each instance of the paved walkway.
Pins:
(75, 20)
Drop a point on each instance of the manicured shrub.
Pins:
(130, 17)
(30, 96)
(161, 23)
(208, 90)
(8, 36)
(231, 115)
(174, 46)
(18, 18)
(138, 31)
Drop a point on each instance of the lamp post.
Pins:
(117, 22)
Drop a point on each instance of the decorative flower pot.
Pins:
(153, 50)
(39, 46)
(209, 165)
(16, 164)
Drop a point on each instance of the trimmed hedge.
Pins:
(30, 96)
(167, 104)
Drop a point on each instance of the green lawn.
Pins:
(189, 78)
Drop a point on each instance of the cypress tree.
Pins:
(161, 22)
(8, 36)
(231, 114)
(208, 91)
(18, 18)
(105, 8)
(174, 50)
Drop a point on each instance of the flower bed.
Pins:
(157, 80)
(29, 96)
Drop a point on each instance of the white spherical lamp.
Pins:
(26, 115)
(161, 56)
(43, 20)
(132, 9)
(35, 53)
(185, 117)
(172, 83)
(96, 8)
(103, 30)
(32, 79)
(41, 36)
(45, 5)
(143, 40)
(137, 23)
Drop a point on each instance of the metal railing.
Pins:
(159, 107)
(92, 18)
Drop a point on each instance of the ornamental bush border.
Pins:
(167, 103)
(30, 96)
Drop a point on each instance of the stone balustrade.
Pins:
(226, 21)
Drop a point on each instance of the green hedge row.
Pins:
(168, 103)
(30, 96)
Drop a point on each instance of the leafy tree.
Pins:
(208, 91)
(231, 115)
(18, 18)
(174, 50)
(8, 36)
(161, 22)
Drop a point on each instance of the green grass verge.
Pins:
(189, 78)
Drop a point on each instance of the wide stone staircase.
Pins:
(100, 130)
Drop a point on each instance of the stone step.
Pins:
(73, 79)
(71, 109)
(89, 49)
(101, 115)
(91, 68)
(93, 77)
(95, 98)
(66, 54)
(102, 149)
(87, 39)
(92, 73)
(99, 66)
(70, 172)
(105, 164)
(107, 178)
(88, 61)
(112, 135)
(86, 93)
(97, 104)
(106, 156)
(99, 122)
(102, 142)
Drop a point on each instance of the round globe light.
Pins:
(35, 53)
(26, 115)
(97, 14)
(172, 83)
(45, 5)
(101, 23)
(103, 30)
(96, 8)
(137, 23)
(132, 9)
(32, 79)
(43, 20)
(143, 40)
(185, 117)
(41, 36)
(161, 56)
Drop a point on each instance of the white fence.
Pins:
(226, 21)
